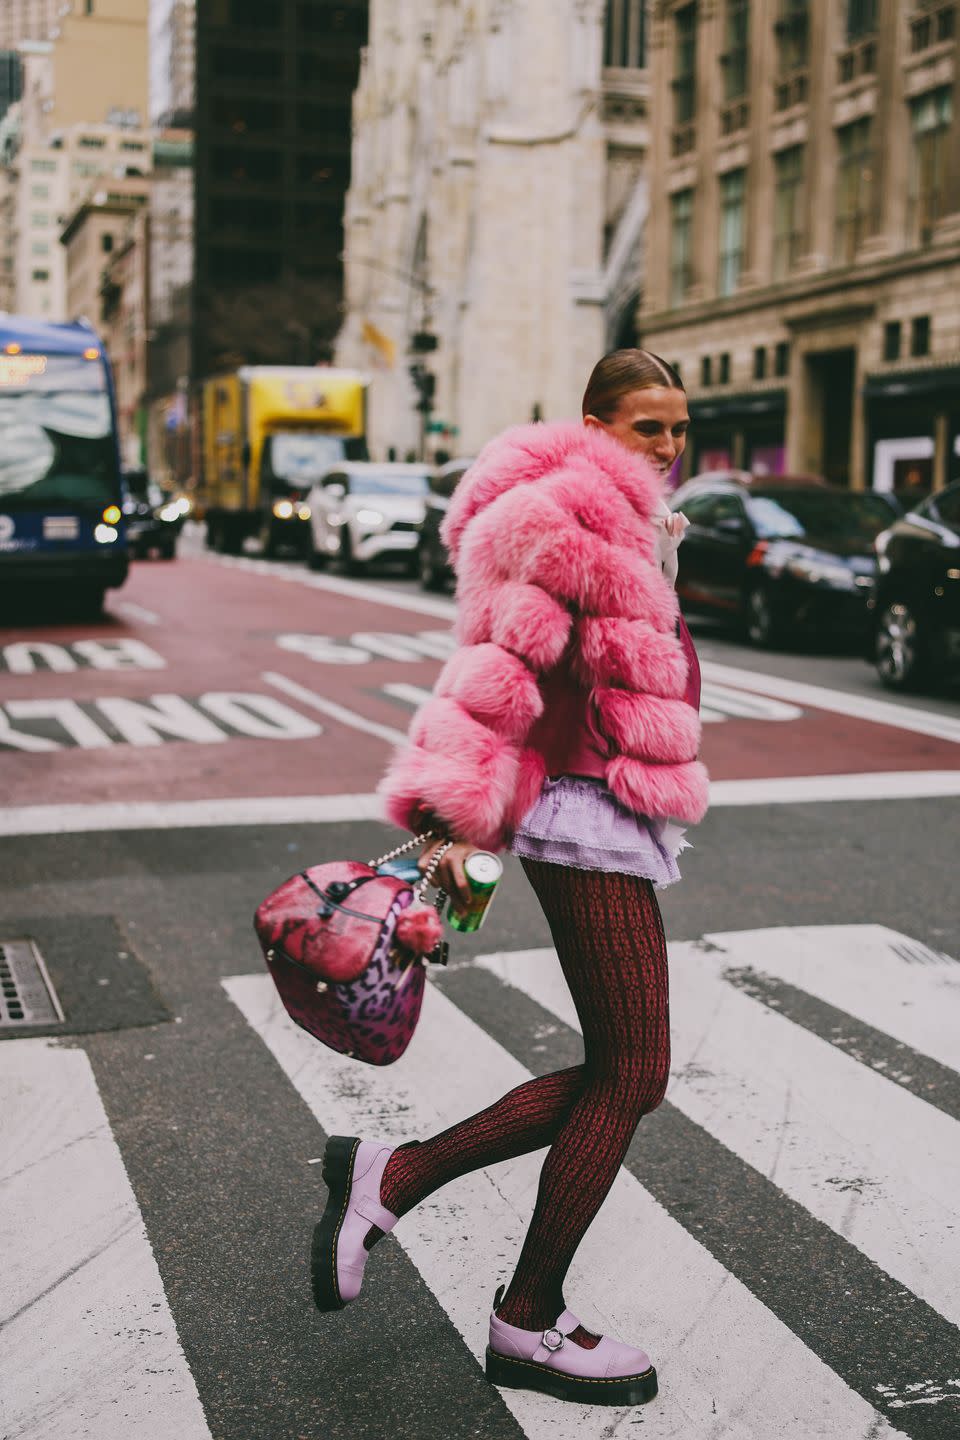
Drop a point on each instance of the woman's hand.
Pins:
(450, 875)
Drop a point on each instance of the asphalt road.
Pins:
(782, 1237)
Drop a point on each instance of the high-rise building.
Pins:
(28, 20)
(173, 25)
(803, 256)
(274, 87)
(496, 210)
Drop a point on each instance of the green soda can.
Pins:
(483, 872)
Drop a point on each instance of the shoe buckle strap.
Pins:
(552, 1339)
(377, 1214)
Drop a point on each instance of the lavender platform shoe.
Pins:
(352, 1169)
(610, 1374)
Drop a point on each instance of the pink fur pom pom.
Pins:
(419, 929)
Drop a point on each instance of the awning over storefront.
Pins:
(738, 407)
(909, 383)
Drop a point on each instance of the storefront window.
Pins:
(789, 228)
(681, 245)
(732, 190)
(854, 217)
(931, 116)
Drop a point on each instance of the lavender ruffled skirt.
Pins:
(578, 821)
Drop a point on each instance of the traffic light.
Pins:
(426, 384)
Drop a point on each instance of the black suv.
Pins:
(916, 611)
(433, 562)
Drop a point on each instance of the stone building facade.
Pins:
(496, 204)
(803, 259)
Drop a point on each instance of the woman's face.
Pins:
(652, 422)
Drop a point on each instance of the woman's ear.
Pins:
(592, 423)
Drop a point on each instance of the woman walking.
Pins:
(565, 728)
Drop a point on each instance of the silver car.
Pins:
(361, 510)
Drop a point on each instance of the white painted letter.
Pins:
(19, 658)
(323, 649)
(11, 739)
(67, 713)
(118, 655)
(260, 716)
(163, 717)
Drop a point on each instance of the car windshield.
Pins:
(56, 433)
(795, 514)
(300, 459)
(388, 482)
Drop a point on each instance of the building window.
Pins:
(39, 221)
(43, 167)
(625, 38)
(91, 142)
(706, 370)
(861, 19)
(724, 368)
(793, 35)
(891, 340)
(106, 243)
(681, 245)
(760, 363)
(40, 275)
(40, 247)
(920, 335)
(781, 358)
(136, 145)
(88, 7)
(789, 210)
(735, 59)
(931, 116)
(685, 65)
(854, 221)
(732, 189)
(40, 192)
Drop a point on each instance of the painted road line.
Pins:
(134, 611)
(355, 589)
(873, 1162)
(331, 708)
(90, 1346)
(839, 702)
(729, 1369)
(819, 697)
(333, 809)
(189, 814)
(890, 1347)
(895, 984)
(811, 789)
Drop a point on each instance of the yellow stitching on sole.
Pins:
(575, 1379)
(343, 1211)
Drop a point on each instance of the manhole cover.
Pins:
(27, 996)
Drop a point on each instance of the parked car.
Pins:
(780, 556)
(916, 611)
(153, 518)
(433, 561)
(361, 510)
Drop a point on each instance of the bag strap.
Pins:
(411, 844)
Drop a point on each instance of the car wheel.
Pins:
(899, 647)
(88, 602)
(348, 563)
(430, 578)
(761, 621)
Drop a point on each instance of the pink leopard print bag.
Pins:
(345, 944)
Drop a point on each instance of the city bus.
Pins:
(268, 433)
(61, 499)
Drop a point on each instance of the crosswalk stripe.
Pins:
(646, 1278)
(855, 1151)
(888, 980)
(890, 1346)
(90, 1345)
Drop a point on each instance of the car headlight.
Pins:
(171, 513)
(105, 534)
(370, 518)
(304, 512)
(821, 572)
(283, 509)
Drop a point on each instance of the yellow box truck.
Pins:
(267, 433)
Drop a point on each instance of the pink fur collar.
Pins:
(527, 453)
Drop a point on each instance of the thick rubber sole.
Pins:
(338, 1159)
(515, 1374)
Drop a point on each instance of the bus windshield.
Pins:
(56, 433)
(300, 457)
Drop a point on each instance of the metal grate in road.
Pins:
(27, 996)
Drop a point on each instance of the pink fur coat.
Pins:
(551, 538)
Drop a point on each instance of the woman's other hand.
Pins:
(450, 874)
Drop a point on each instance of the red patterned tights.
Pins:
(609, 937)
